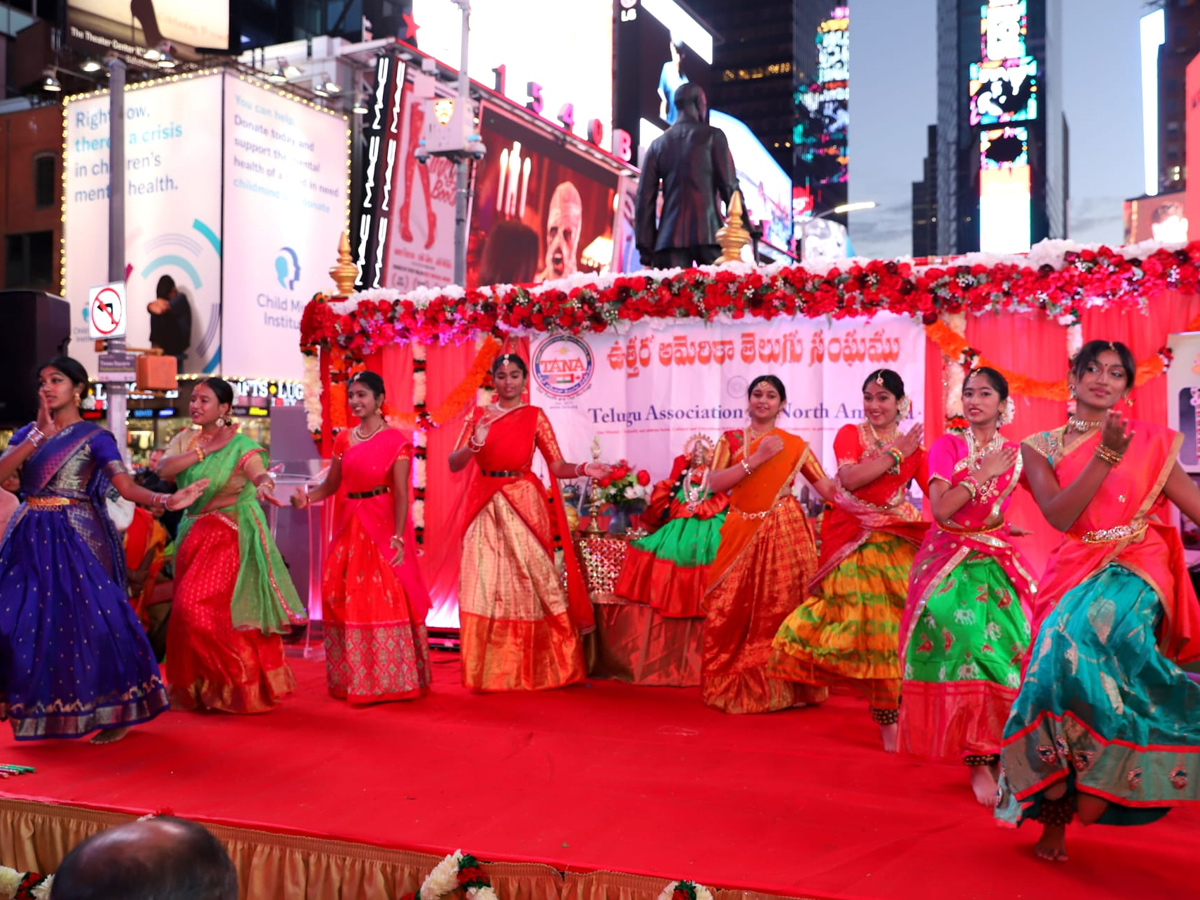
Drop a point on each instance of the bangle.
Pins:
(1108, 455)
(971, 485)
(581, 470)
(895, 454)
(36, 436)
(396, 542)
(746, 466)
(267, 480)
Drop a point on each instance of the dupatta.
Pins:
(878, 506)
(1124, 524)
(512, 438)
(976, 528)
(263, 597)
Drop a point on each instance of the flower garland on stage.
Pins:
(457, 871)
(16, 885)
(1056, 277)
(685, 890)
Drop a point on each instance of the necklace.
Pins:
(881, 442)
(975, 453)
(200, 439)
(360, 437)
(692, 491)
(1083, 426)
(752, 435)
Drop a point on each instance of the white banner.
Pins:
(644, 392)
(286, 167)
(172, 209)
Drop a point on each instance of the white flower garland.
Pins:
(10, 881)
(312, 392)
(444, 880)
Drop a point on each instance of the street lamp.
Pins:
(825, 238)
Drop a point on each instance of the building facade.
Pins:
(1001, 159)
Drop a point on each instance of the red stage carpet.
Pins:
(603, 777)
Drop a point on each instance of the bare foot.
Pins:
(109, 735)
(890, 735)
(983, 783)
(1052, 845)
(1089, 808)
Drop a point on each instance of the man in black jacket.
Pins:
(170, 320)
(692, 164)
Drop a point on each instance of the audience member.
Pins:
(152, 859)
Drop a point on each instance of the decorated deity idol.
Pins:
(669, 568)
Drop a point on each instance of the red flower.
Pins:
(471, 873)
(605, 482)
(643, 478)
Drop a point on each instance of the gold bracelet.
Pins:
(1108, 455)
(746, 466)
(971, 485)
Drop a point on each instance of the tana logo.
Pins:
(562, 366)
(287, 268)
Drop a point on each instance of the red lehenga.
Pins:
(376, 647)
(519, 626)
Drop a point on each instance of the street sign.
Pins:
(106, 311)
(116, 366)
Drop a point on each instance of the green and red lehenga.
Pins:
(668, 569)
(1104, 704)
(233, 594)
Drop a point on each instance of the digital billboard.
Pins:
(823, 139)
(134, 26)
(766, 187)
(1003, 91)
(1159, 218)
(552, 57)
(1005, 185)
(172, 209)
(541, 211)
(1003, 26)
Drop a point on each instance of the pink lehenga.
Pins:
(965, 628)
(376, 647)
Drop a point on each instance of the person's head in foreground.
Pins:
(153, 859)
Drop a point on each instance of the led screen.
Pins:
(559, 47)
(1004, 91)
(1005, 225)
(767, 189)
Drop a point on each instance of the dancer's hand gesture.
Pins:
(908, 444)
(1117, 432)
(996, 463)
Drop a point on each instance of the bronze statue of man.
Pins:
(690, 162)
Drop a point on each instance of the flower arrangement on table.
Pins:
(625, 487)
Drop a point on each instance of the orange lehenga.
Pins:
(376, 646)
(766, 557)
(518, 624)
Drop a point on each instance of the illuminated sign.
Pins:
(1004, 91)
(383, 143)
(1002, 27)
(1005, 186)
(828, 103)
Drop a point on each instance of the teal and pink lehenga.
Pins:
(1104, 704)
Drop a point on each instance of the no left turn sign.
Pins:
(106, 311)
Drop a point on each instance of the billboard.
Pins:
(244, 217)
(1160, 218)
(286, 200)
(172, 209)
(1183, 397)
(823, 140)
(420, 236)
(1005, 186)
(766, 187)
(541, 211)
(1003, 91)
(133, 27)
(545, 55)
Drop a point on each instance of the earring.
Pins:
(1128, 400)
(221, 422)
(1071, 391)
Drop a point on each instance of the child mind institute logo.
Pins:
(563, 366)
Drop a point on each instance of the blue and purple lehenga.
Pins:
(73, 656)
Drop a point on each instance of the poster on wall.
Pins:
(286, 164)
(643, 392)
(1159, 218)
(134, 26)
(541, 211)
(420, 243)
(172, 216)
(1183, 396)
